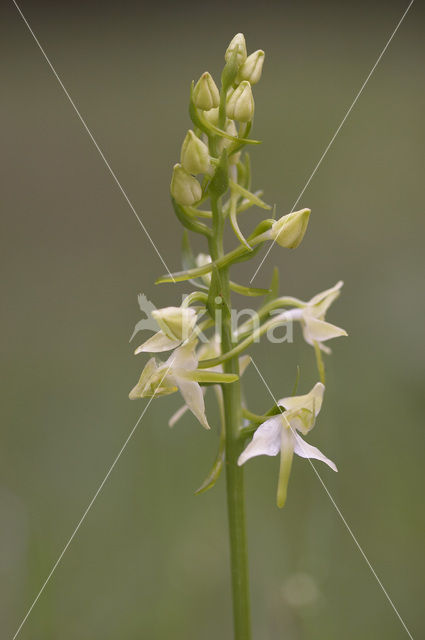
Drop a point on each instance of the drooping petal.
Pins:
(305, 450)
(193, 397)
(180, 412)
(315, 330)
(158, 343)
(266, 440)
(286, 456)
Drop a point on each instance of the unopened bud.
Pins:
(205, 93)
(176, 322)
(194, 154)
(237, 44)
(185, 189)
(241, 103)
(252, 67)
(289, 230)
(212, 116)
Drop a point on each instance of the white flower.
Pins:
(180, 373)
(315, 328)
(279, 434)
(209, 350)
(176, 323)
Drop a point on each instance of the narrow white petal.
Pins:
(305, 450)
(157, 343)
(266, 440)
(180, 412)
(194, 398)
(319, 330)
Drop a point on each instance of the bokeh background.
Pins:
(150, 561)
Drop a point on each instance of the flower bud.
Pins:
(194, 154)
(212, 116)
(185, 189)
(205, 93)
(289, 230)
(241, 103)
(252, 67)
(176, 322)
(237, 44)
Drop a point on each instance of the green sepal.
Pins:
(189, 221)
(209, 377)
(248, 291)
(220, 180)
(248, 195)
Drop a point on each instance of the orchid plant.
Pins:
(206, 349)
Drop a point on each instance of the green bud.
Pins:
(289, 230)
(241, 103)
(205, 94)
(252, 67)
(185, 189)
(237, 43)
(194, 154)
(176, 322)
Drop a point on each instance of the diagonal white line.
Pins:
(356, 542)
(92, 501)
(322, 157)
(102, 155)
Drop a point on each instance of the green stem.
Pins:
(234, 473)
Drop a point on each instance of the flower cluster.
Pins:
(215, 167)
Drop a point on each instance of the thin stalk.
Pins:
(234, 473)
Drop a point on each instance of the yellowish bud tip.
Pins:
(184, 188)
(289, 230)
(205, 93)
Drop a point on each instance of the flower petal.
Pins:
(318, 330)
(305, 450)
(266, 440)
(194, 398)
(323, 300)
(158, 343)
(313, 398)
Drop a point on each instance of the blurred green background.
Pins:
(150, 561)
